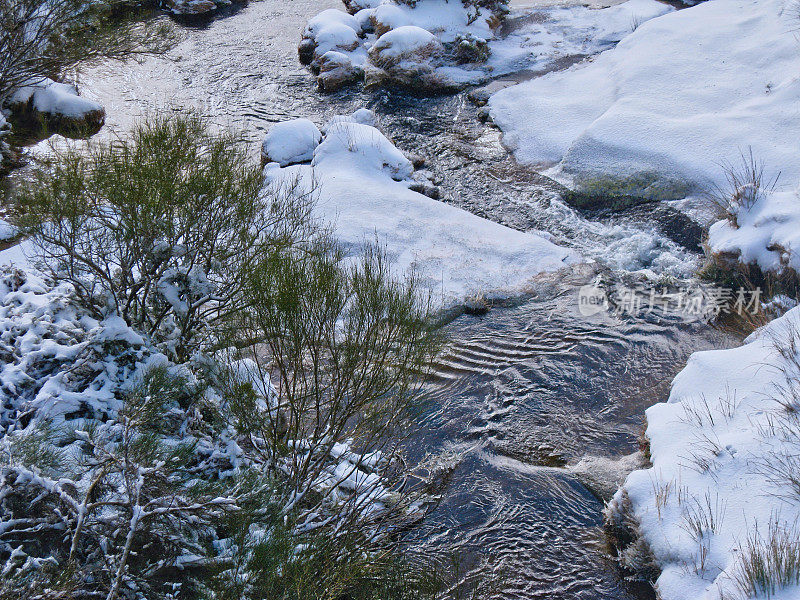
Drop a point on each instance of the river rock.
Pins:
(405, 44)
(354, 6)
(56, 107)
(290, 142)
(331, 30)
(336, 71)
(408, 57)
(387, 17)
(191, 8)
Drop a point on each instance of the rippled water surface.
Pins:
(520, 392)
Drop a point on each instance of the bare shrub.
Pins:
(746, 184)
(44, 38)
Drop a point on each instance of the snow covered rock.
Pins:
(354, 6)
(56, 106)
(362, 115)
(7, 231)
(766, 234)
(407, 43)
(331, 30)
(407, 57)
(290, 142)
(191, 8)
(336, 70)
(363, 184)
(677, 97)
(724, 453)
(387, 17)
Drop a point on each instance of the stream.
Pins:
(519, 392)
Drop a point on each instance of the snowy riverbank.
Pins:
(721, 493)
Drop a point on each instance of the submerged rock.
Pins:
(192, 8)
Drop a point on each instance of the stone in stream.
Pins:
(336, 71)
(407, 57)
(55, 108)
(290, 142)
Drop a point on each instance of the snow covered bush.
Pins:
(156, 230)
(745, 185)
(202, 395)
(115, 504)
(344, 343)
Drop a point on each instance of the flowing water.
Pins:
(520, 392)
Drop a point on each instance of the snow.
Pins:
(291, 142)
(362, 184)
(716, 446)
(406, 42)
(537, 39)
(330, 18)
(17, 255)
(445, 20)
(55, 99)
(767, 234)
(7, 230)
(677, 97)
(336, 36)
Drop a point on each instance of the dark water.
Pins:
(517, 391)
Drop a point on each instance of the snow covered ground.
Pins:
(660, 114)
(363, 184)
(724, 450)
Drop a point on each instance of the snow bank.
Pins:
(766, 234)
(363, 190)
(290, 142)
(681, 94)
(717, 448)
